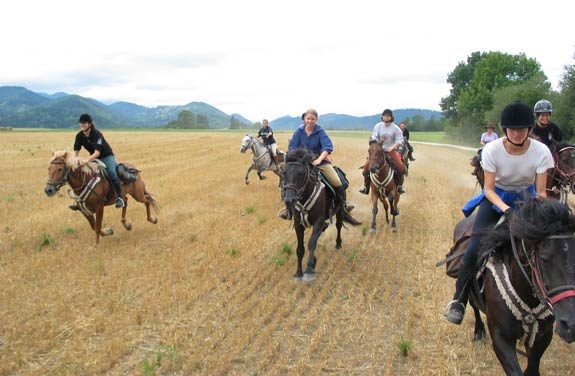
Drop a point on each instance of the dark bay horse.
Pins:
(383, 187)
(529, 283)
(92, 190)
(310, 202)
(560, 179)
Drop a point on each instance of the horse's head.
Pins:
(548, 226)
(246, 143)
(297, 172)
(565, 157)
(57, 172)
(376, 156)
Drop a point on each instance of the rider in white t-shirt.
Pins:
(515, 167)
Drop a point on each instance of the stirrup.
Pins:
(120, 203)
(454, 312)
(364, 190)
(74, 207)
(284, 214)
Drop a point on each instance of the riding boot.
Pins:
(366, 185)
(121, 200)
(74, 206)
(456, 308)
(399, 181)
(410, 156)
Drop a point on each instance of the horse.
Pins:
(383, 187)
(261, 157)
(92, 190)
(560, 179)
(310, 203)
(528, 273)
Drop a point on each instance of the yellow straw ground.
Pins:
(209, 289)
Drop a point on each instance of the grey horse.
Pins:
(261, 157)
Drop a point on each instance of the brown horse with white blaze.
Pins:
(93, 191)
(383, 187)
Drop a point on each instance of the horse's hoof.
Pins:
(127, 226)
(153, 220)
(263, 178)
(394, 229)
(107, 232)
(309, 277)
(298, 276)
(338, 246)
(372, 230)
(247, 182)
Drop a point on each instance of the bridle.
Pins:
(565, 178)
(57, 184)
(299, 190)
(548, 297)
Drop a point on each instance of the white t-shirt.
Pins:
(516, 172)
(387, 135)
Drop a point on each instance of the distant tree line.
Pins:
(189, 120)
(235, 123)
(418, 123)
(483, 85)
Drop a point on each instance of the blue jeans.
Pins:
(486, 218)
(110, 162)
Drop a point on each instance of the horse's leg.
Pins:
(309, 274)
(479, 332)
(299, 231)
(504, 348)
(248, 172)
(374, 210)
(541, 343)
(383, 200)
(261, 176)
(127, 225)
(393, 199)
(338, 226)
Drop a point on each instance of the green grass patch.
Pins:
(364, 229)
(45, 241)
(250, 210)
(164, 360)
(353, 255)
(262, 219)
(438, 137)
(404, 347)
(283, 255)
(233, 251)
(9, 198)
(69, 230)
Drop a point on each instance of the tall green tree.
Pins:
(474, 83)
(565, 105)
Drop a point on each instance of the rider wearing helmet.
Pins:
(515, 168)
(545, 130)
(391, 137)
(94, 142)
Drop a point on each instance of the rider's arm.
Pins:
(94, 155)
(489, 188)
(541, 184)
(321, 157)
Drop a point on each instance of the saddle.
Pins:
(342, 177)
(127, 173)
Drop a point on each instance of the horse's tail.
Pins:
(152, 201)
(349, 219)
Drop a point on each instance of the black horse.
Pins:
(312, 204)
(528, 283)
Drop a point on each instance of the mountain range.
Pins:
(20, 107)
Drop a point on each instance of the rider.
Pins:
(313, 137)
(267, 136)
(489, 135)
(545, 130)
(390, 135)
(95, 143)
(512, 165)
(405, 132)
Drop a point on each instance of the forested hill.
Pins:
(20, 107)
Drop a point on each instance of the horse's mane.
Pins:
(301, 155)
(74, 162)
(535, 220)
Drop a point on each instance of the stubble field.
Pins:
(209, 289)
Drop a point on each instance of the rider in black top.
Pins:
(405, 132)
(94, 142)
(545, 130)
(267, 136)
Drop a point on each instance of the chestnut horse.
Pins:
(383, 187)
(93, 191)
(528, 283)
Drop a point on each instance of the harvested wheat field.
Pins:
(209, 289)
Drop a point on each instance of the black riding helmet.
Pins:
(85, 118)
(517, 115)
(387, 111)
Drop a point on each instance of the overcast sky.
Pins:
(266, 59)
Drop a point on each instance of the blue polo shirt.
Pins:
(317, 142)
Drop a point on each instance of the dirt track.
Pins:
(209, 290)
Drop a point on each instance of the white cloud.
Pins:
(267, 59)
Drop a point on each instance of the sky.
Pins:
(267, 59)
